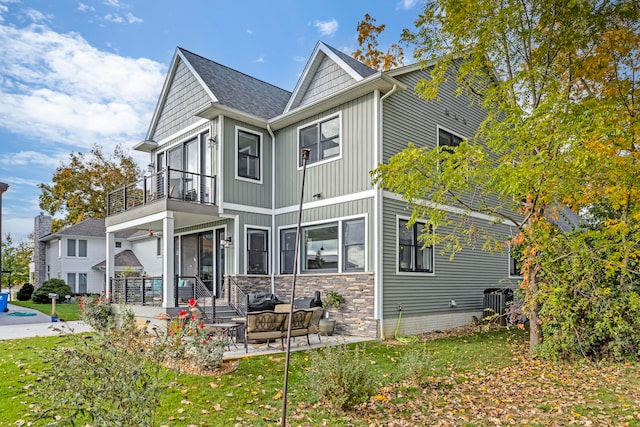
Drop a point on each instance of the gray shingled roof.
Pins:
(360, 68)
(237, 90)
(91, 227)
(125, 258)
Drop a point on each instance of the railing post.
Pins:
(142, 290)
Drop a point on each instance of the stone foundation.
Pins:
(355, 316)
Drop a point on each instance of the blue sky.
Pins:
(76, 73)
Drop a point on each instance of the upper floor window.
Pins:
(118, 245)
(321, 138)
(447, 139)
(353, 245)
(412, 257)
(257, 251)
(249, 150)
(76, 248)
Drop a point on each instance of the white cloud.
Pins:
(83, 7)
(249, 31)
(27, 157)
(131, 19)
(260, 60)
(36, 15)
(112, 3)
(327, 28)
(58, 88)
(407, 4)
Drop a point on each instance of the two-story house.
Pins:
(76, 254)
(224, 189)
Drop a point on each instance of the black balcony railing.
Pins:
(167, 184)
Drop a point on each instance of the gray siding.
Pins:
(463, 278)
(185, 96)
(248, 220)
(408, 118)
(328, 79)
(241, 191)
(346, 175)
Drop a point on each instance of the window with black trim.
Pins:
(447, 139)
(287, 250)
(322, 247)
(321, 138)
(249, 147)
(412, 257)
(353, 245)
(256, 251)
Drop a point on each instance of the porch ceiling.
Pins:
(150, 216)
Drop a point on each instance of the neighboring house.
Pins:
(76, 254)
(225, 182)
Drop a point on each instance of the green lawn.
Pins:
(485, 378)
(66, 311)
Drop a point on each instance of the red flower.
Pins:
(204, 341)
(183, 314)
(193, 302)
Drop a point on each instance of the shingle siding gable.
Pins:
(185, 96)
(328, 79)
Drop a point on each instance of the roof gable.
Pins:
(328, 71)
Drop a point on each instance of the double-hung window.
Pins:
(249, 152)
(76, 248)
(257, 251)
(412, 256)
(322, 139)
(353, 245)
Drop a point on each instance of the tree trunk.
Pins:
(535, 332)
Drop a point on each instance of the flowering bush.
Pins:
(96, 311)
(186, 338)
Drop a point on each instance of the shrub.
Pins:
(185, 337)
(51, 286)
(25, 292)
(341, 377)
(96, 311)
(110, 378)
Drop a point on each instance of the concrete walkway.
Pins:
(36, 325)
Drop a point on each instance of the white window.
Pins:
(515, 261)
(257, 260)
(337, 246)
(448, 139)
(249, 155)
(412, 257)
(71, 247)
(76, 248)
(322, 139)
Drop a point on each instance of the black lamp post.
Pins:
(3, 187)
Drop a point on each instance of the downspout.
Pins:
(273, 209)
(378, 241)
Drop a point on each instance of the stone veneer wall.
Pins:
(355, 317)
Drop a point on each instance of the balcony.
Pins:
(180, 191)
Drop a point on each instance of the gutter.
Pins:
(377, 278)
(273, 208)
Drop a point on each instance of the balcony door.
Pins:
(197, 257)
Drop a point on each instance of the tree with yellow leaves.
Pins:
(368, 52)
(80, 188)
(559, 83)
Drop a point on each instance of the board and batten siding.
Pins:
(425, 298)
(185, 97)
(345, 175)
(240, 191)
(250, 219)
(409, 118)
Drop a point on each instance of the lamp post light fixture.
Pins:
(3, 187)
